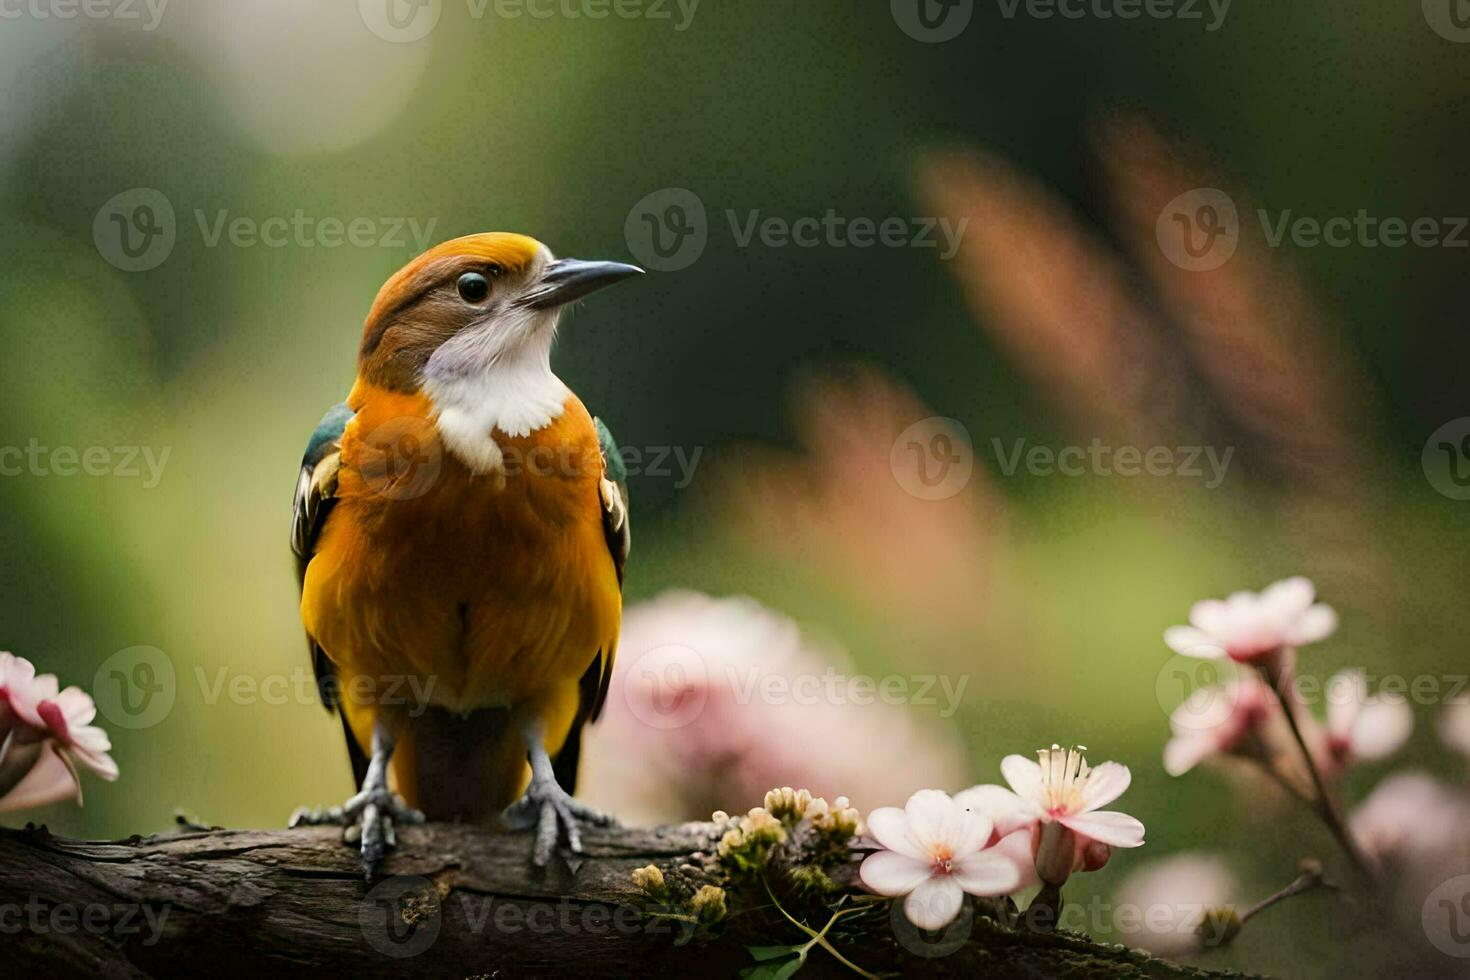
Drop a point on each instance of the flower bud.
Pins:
(708, 904)
(1094, 855)
(650, 880)
(1055, 849)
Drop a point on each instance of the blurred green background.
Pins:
(226, 355)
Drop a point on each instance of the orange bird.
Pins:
(460, 528)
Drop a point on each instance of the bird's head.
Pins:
(473, 304)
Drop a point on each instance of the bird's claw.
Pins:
(550, 809)
(369, 819)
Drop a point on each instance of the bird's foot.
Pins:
(551, 809)
(369, 818)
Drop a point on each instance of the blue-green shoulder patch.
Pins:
(328, 433)
(617, 470)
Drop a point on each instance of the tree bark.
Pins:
(451, 901)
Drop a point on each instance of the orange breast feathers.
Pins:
(486, 590)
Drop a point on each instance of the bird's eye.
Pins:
(473, 287)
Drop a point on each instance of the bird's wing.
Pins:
(615, 525)
(613, 498)
(316, 492)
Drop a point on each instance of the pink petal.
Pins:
(889, 826)
(1210, 616)
(51, 779)
(1190, 642)
(1183, 752)
(935, 903)
(99, 762)
(1346, 692)
(1286, 600)
(989, 872)
(1317, 623)
(1105, 784)
(1382, 727)
(1110, 827)
(1007, 811)
(934, 818)
(78, 706)
(1017, 848)
(1454, 726)
(891, 873)
(1024, 775)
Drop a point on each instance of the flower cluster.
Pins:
(1407, 836)
(1257, 714)
(44, 733)
(990, 841)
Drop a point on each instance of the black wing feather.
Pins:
(316, 489)
(613, 494)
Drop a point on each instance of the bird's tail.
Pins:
(460, 767)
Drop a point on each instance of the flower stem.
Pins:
(1278, 676)
(1309, 880)
(1045, 910)
(819, 938)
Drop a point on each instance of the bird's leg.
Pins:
(370, 814)
(546, 806)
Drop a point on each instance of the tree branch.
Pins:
(454, 901)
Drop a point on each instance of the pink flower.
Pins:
(1359, 726)
(1410, 819)
(937, 851)
(1169, 899)
(716, 700)
(1218, 719)
(1454, 726)
(1249, 628)
(43, 733)
(1057, 801)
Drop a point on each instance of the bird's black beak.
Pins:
(566, 280)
